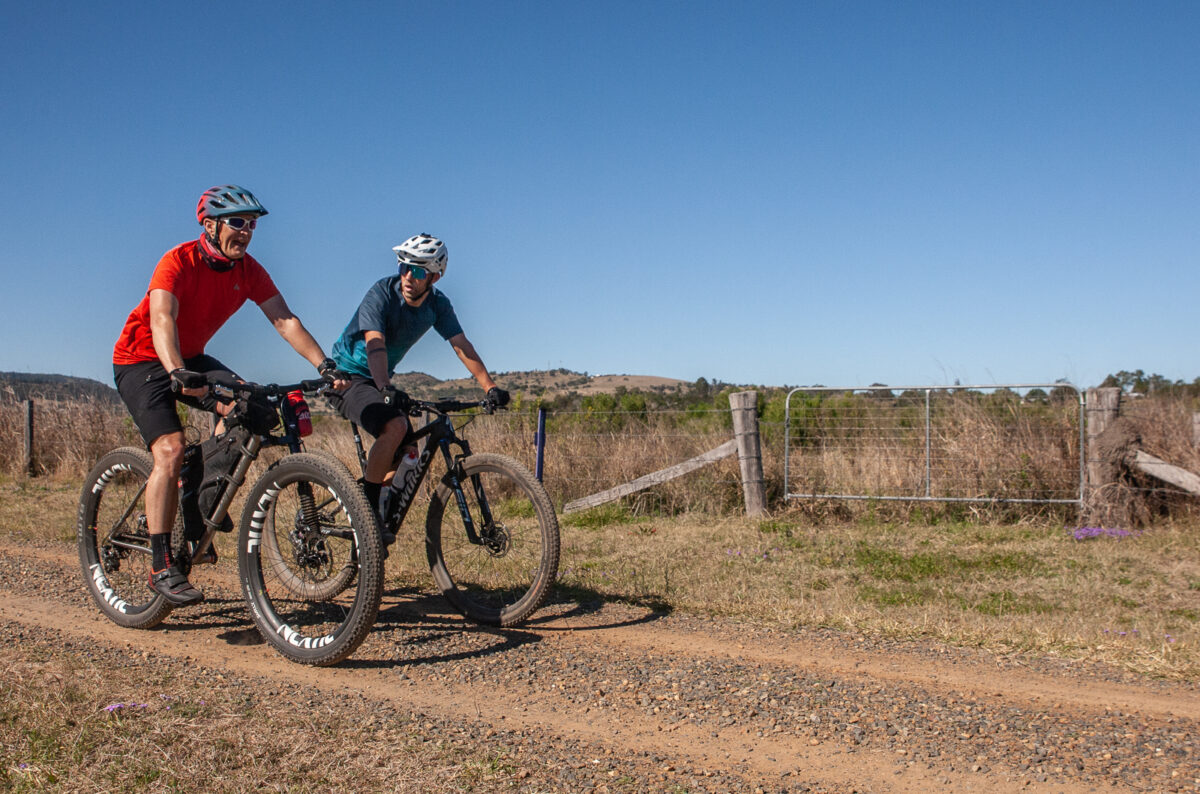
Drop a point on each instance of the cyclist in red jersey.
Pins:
(159, 358)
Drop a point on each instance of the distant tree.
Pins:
(1061, 394)
(880, 391)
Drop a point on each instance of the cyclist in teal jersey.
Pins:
(394, 314)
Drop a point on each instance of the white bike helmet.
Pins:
(425, 251)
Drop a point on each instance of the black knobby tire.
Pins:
(505, 578)
(114, 542)
(309, 609)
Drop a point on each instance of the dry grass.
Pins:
(69, 436)
(993, 446)
(68, 723)
(980, 447)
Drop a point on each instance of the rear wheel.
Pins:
(114, 540)
(309, 559)
(500, 571)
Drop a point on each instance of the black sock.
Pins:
(372, 489)
(160, 551)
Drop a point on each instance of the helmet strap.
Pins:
(211, 253)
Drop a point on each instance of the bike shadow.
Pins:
(423, 628)
(217, 613)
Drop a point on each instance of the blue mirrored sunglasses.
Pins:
(418, 272)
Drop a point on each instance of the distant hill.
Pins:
(545, 384)
(26, 385)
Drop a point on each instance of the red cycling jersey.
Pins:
(207, 298)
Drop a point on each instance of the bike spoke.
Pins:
(116, 564)
(493, 544)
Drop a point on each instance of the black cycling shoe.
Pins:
(175, 587)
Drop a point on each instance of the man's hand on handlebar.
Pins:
(396, 398)
(497, 397)
(188, 382)
(328, 370)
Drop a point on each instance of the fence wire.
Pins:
(931, 443)
(586, 452)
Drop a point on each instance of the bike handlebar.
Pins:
(227, 387)
(414, 407)
(450, 406)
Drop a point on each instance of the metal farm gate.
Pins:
(999, 443)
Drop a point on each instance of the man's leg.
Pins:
(363, 404)
(162, 501)
(162, 494)
(383, 451)
(145, 389)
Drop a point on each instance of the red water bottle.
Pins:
(300, 409)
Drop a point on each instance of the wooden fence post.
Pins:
(745, 432)
(1103, 407)
(29, 461)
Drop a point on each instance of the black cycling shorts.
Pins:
(363, 405)
(146, 389)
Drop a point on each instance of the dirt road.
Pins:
(618, 698)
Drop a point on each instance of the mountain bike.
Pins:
(309, 554)
(491, 533)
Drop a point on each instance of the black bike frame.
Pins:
(248, 453)
(441, 435)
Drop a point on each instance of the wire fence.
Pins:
(931, 443)
(928, 443)
(590, 451)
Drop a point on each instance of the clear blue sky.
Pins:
(757, 192)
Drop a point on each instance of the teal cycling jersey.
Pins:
(384, 309)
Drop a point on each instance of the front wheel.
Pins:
(114, 539)
(492, 542)
(310, 559)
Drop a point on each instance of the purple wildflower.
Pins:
(1084, 533)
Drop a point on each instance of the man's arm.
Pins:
(470, 359)
(164, 309)
(377, 358)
